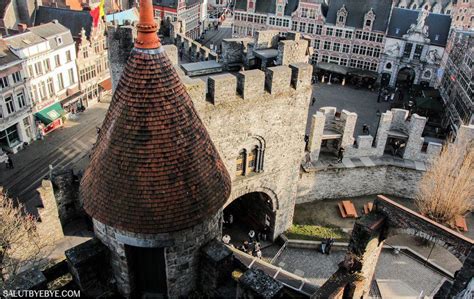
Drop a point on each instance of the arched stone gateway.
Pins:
(387, 218)
(251, 211)
(406, 76)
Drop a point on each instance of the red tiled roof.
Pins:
(154, 168)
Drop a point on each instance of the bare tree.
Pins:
(21, 247)
(447, 188)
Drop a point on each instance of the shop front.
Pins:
(49, 119)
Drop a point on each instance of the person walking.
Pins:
(10, 162)
(313, 101)
(340, 154)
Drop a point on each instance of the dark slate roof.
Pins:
(3, 7)
(154, 168)
(438, 25)
(167, 3)
(6, 56)
(268, 6)
(74, 20)
(356, 10)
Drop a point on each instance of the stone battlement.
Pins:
(328, 125)
(252, 84)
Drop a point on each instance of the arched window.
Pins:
(368, 23)
(252, 160)
(241, 163)
(388, 66)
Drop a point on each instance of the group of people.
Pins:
(251, 246)
(326, 245)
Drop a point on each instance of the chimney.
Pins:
(22, 27)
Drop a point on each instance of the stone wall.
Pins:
(120, 41)
(181, 254)
(395, 121)
(293, 50)
(343, 182)
(50, 225)
(274, 120)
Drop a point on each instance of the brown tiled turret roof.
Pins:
(154, 168)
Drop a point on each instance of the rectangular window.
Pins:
(372, 37)
(286, 23)
(72, 80)
(311, 28)
(9, 136)
(47, 65)
(418, 51)
(27, 125)
(319, 29)
(336, 47)
(4, 82)
(379, 38)
(278, 22)
(365, 36)
(355, 49)
(38, 68)
(338, 32)
(20, 97)
(50, 87)
(376, 52)
(60, 81)
(302, 27)
(329, 31)
(325, 58)
(10, 105)
(68, 56)
(358, 35)
(57, 60)
(316, 43)
(16, 77)
(31, 71)
(363, 50)
(348, 34)
(343, 61)
(407, 50)
(370, 51)
(327, 45)
(346, 48)
(294, 26)
(42, 90)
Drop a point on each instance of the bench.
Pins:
(347, 209)
(368, 207)
(460, 223)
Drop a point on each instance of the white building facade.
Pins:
(16, 119)
(50, 54)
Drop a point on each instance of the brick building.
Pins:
(463, 14)
(189, 12)
(435, 6)
(414, 46)
(456, 85)
(16, 120)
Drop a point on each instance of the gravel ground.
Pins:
(317, 268)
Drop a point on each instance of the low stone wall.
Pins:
(340, 182)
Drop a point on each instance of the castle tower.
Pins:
(155, 186)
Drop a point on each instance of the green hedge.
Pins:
(315, 233)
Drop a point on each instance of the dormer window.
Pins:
(59, 40)
(369, 19)
(341, 16)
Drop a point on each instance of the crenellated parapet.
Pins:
(194, 50)
(395, 127)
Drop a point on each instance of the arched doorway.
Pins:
(252, 211)
(406, 77)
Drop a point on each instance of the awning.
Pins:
(71, 99)
(106, 84)
(363, 73)
(429, 104)
(50, 114)
(334, 68)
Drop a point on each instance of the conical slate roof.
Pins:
(154, 168)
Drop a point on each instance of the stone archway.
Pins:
(406, 77)
(251, 211)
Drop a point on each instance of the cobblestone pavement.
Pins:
(68, 146)
(361, 101)
(317, 268)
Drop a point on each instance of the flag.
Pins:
(98, 13)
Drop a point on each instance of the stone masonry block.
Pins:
(278, 79)
(415, 141)
(349, 120)
(364, 141)
(221, 88)
(172, 53)
(251, 84)
(301, 75)
(316, 135)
